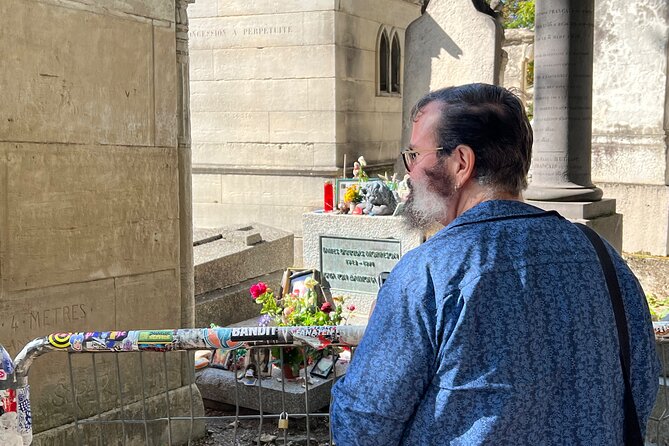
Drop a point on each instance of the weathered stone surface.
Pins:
(239, 261)
(628, 158)
(76, 215)
(165, 87)
(234, 304)
(395, 12)
(201, 66)
(630, 66)
(52, 94)
(268, 63)
(207, 188)
(180, 432)
(288, 217)
(90, 198)
(519, 48)
(645, 208)
(279, 94)
(219, 385)
(141, 9)
(312, 126)
(451, 44)
(222, 127)
(262, 156)
(159, 290)
(271, 30)
(248, 7)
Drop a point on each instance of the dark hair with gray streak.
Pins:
(492, 121)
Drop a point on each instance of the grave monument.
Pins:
(560, 172)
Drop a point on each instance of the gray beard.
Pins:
(426, 204)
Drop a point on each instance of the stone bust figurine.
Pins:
(379, 199)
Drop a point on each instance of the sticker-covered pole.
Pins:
(15, 419)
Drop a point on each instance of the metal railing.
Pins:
(146, 394)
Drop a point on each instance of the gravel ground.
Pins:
(222, 433)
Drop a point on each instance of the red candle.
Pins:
(328, 196)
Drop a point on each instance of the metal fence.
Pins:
(657, 432)
(138, 387)
(141, 387)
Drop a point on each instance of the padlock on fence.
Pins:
(283, 420)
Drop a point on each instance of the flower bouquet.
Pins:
(298, 308)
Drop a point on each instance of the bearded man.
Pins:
(499, 329)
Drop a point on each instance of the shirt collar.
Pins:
(496, 209)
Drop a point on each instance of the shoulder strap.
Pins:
(631, 430)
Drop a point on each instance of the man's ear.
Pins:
(463, 164)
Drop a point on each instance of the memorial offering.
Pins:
(361, 195)
(301, 305)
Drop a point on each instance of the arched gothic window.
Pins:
(389, 62)
(384, 54)
(395, 65)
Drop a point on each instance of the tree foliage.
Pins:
(517, 13)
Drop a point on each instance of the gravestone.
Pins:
(351, 251)
(452, 43)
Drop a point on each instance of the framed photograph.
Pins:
(294, 281)
(341, 184)
(324, 365)
(340, 189)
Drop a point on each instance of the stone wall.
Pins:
(280, 91)
(91, 197)
(629, 149)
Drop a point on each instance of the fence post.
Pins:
(15, 417)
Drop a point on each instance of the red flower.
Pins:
(351, 308)
(327, 307)
(258, 290)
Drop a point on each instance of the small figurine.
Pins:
(379, 199)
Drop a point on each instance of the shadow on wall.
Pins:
(425, 40)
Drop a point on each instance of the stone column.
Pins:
(563, 102)
(184, 157)
(561, 166)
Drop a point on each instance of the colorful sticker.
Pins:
(25, 414)
(8, 400)
(77, 342)
(60, 340)
(219, 338)
(130, 342)
(156, 337)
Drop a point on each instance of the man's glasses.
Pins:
(409, 156)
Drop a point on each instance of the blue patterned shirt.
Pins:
(498, 330)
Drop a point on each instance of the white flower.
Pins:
(362, 161)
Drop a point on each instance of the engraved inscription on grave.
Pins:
(353, 265)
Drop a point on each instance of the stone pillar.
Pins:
(184, 157)
(561, 166)
(563, 102)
